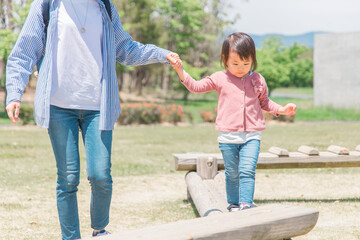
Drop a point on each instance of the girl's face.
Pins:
(237, 66)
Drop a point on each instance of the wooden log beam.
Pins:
(270, 222)
(187, 162)
(206, 195)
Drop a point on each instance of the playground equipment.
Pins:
(206, 188)
(306, 157)
(268, 222)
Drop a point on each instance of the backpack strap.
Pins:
(108, 7)
(46, 14)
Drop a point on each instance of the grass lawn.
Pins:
(299, 90)
(147, 190)
(306, 111)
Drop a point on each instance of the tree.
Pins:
(189, 27)
(284, 66)
(137, 17)
(272, 63)
(192, 28)
(300, 65)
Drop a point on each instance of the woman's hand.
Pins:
(288, 109)
(10, 108)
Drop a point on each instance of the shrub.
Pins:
(173, 113)
(150, 113)
(281, 118)
(208, 116)
(26, 114)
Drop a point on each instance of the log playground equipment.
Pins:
(206, 189)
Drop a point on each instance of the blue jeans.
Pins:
(240, 163)
(64, 135)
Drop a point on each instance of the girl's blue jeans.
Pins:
(64, 135)
(240, 163)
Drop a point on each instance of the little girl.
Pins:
(243, 94)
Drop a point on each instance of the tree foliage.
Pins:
(284, 66)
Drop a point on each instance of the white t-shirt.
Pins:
(238, 137)
(77, 59)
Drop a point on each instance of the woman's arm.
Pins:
(129, 52)
(26, 53)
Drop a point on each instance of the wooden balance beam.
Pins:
(266, 222)
(275, 158)
(206, 187)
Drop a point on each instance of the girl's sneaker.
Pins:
(244, 206)
(233, 208)
(101, 233)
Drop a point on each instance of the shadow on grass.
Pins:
(196, 213)
(327, 200)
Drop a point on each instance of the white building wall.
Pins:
(337, 70)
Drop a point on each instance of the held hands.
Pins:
(288, 109)
(10, 108)
(173, 58)
(176, 63)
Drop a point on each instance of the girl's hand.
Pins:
(173, 58)
(176, 63)
(177, 66)
(288, 109)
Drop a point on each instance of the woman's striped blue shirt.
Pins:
(117, 45)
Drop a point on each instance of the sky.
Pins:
(293, 17)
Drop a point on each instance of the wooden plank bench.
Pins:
(266, 222)
(306, 157)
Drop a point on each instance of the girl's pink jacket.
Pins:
(240, 100)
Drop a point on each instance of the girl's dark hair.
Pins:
(242, 44)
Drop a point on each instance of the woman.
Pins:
(77, 89)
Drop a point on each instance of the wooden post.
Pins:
(206, 167)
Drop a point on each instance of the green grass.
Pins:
(4, 117)
(306, 111)
(303, 90)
